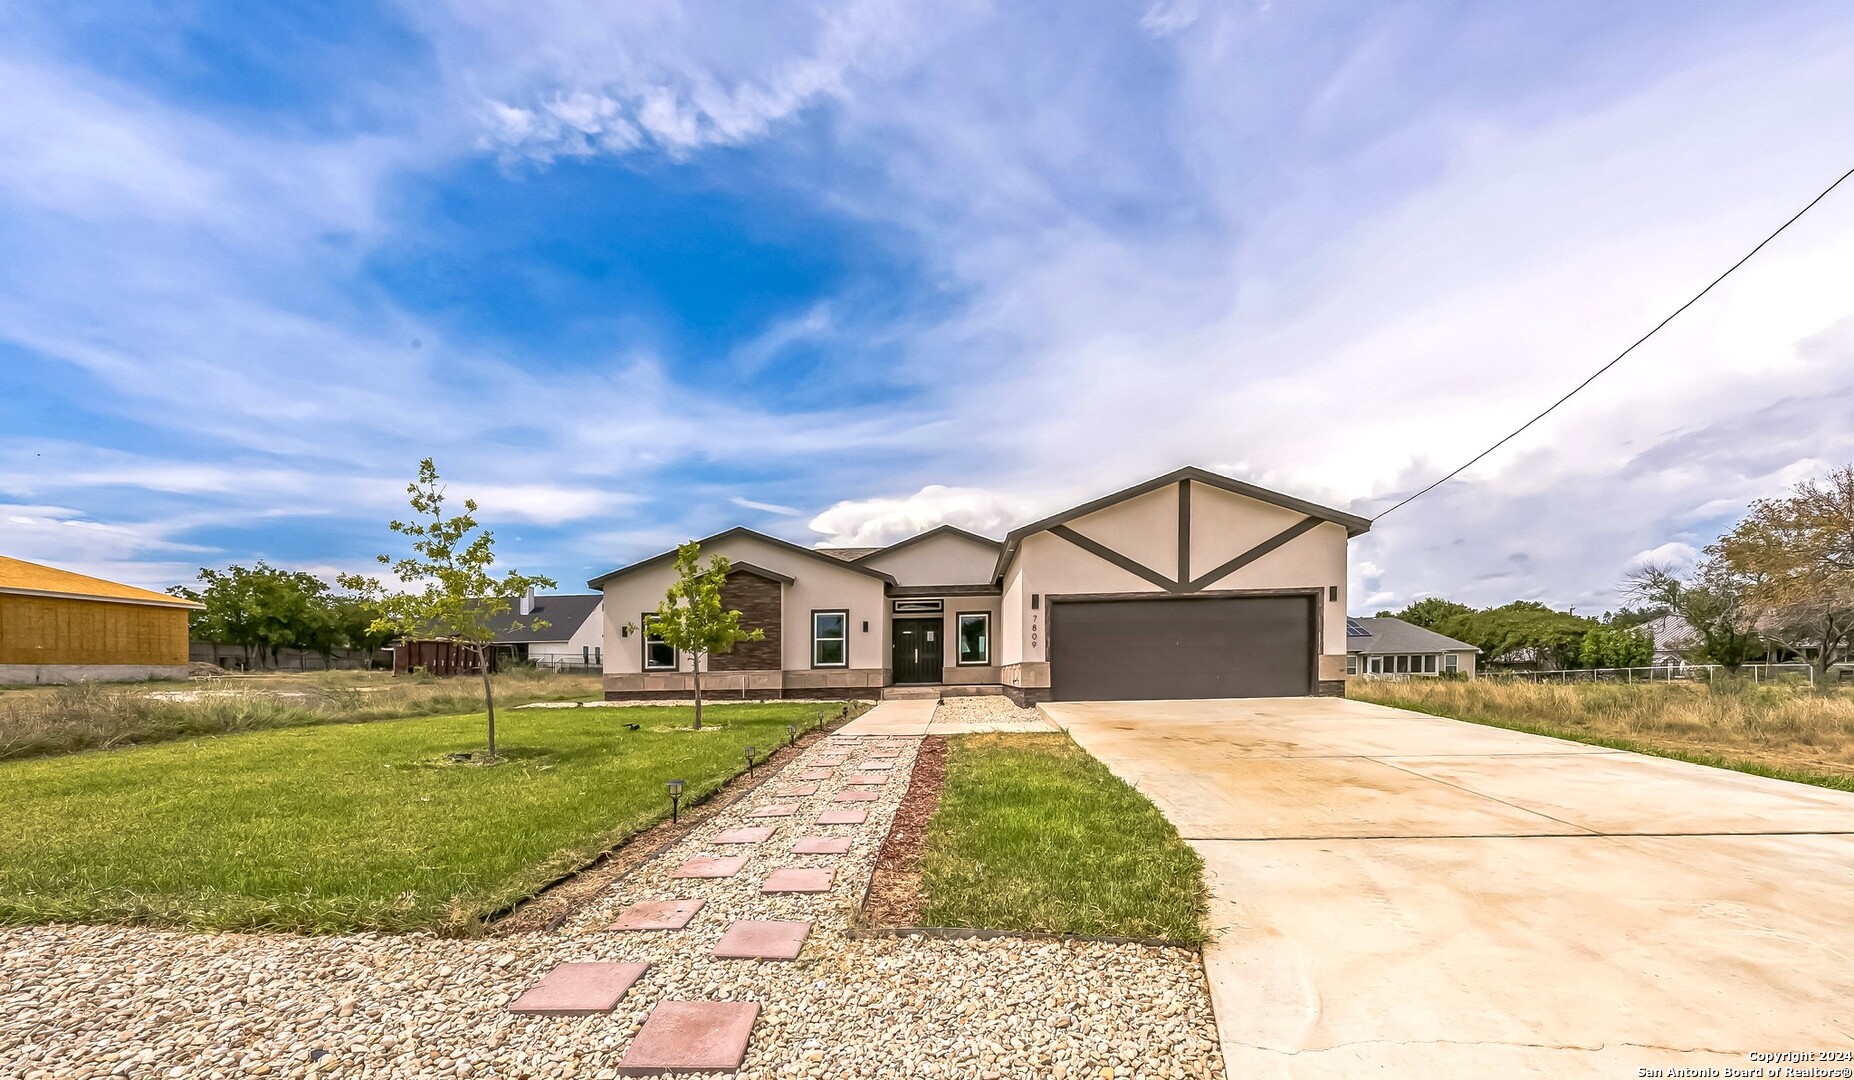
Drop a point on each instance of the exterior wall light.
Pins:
(675, 794)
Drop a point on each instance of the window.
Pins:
(975, 637)
(1451, 663)
(1377, 665)
(1429, 664)
(1351, 663)
(1403, 665)
(658, 656)
(830, 639)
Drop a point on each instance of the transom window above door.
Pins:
(975, 637)
(830, 639)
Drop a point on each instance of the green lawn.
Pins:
(354, 826)
(1035, 834)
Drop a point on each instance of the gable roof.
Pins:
(1387, 635)
(563, 613)
(729, 534)
(22, 578)
(849, 554)
(1354, 525)
(928, 535)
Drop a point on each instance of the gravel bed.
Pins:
(982, 713)
(87, 1002)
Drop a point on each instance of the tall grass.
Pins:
(91, 716)
(1786, 731)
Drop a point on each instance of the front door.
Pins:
(917, 650)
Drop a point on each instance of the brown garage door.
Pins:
(1144, 650)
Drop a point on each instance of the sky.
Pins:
(638, 272)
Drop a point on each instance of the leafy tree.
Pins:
(1615, 647)
(1712, 602)
(1796, 558)
(1554, 639)
(691, 619)
(447, 590)
(260, 608)
(1434, 613)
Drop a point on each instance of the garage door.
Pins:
(1133, 650)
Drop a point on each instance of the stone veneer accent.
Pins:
(758, 599)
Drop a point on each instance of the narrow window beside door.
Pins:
(830, 644)
(975, 638)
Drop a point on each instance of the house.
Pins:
(551, 630)
(1190, 585)
(1387, 646)
(1675, 642)
(573, 634)
(57, 626)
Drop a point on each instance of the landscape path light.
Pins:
(791, 734)
(751, 750)
(675, 794)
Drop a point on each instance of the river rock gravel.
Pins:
(84, 1002)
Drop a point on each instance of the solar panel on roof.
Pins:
(1352, 629)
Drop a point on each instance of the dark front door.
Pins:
(917, 650)
(1142, 649)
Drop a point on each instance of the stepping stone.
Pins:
(830, 762)
(855, 796)
(815, 774)
(821, 845)
(691, 1036)
(879, 765)
(711, 866)
(778, 809)
(657, 915)
(578, 989)
(863, 779)
(756, 835)
(843, 817)
(799, 879)
(770, 940)
(796, 791)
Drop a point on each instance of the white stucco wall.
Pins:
(944, 559)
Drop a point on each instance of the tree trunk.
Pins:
(489, 696)
(695, 660)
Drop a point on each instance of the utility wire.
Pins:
(1510, 436)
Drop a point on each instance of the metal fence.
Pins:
(1706, 673)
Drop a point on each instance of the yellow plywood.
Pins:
(55, 630)
(18, 574)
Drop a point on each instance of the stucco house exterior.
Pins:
(1387, 646)
(57, 626)
(1189, 585)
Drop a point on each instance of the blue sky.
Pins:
(638, 272)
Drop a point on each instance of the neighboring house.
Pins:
(57, 626)
(1386, 646)
(1190, 585)
(573, 634)
(1675, 642)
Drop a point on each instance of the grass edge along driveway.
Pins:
(1034, 834)
(336, 828)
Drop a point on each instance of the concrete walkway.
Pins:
(1401, 895)
(908, 718)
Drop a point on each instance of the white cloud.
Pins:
(883, 521)
(765, 507)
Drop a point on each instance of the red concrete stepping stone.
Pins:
(756, 835)
(804, 879)
(821, 845)
(578, 989)
(855, 796)
(843, 817)
(657, 915)
(751, 940)
(815, 774)
(778, 809)
(863, 779)
(711, 866)
(830, 762)
(691, 1036)
(796, 791)
(879, 765)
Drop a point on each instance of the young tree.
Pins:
(1796, 555)
(691, 619)
(1711, 601)
(446, 588)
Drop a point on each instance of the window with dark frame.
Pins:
(830, 639)
(658, 656)
(974, 637)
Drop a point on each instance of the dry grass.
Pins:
(90, 716)
(1784, 731)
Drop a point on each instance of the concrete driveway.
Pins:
(1399, 895)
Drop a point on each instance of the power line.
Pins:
(1599, 371)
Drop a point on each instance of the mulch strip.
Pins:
(555, 903)
(895, 897)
